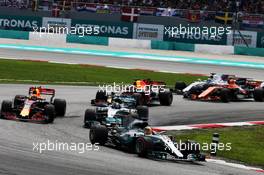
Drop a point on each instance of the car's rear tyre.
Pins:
(139, 99)
(19, 100)
(60, 107)
(49, 112)
(259, 94)
(225, 95)
(179, 86)
(98, 134)
(143, 113)
(6, 106)
(89, 117)
(142, 147)
(101, 95)
(166, 98)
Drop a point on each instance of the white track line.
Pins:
(235, 165)
(205, 126)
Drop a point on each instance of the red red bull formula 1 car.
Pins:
(34, 107)
(148, 92)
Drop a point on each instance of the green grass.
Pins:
(12, 71)
(247, 143)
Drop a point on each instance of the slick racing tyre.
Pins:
(60, 107)
(98, 134)
(49, 113)
(143, 113)
(139, 99)
(225, 95)
(259, 94)
(19, 100)
(143, 147)
(89, 118)
(6, 107)
(179, 86)
(101, 95)
(166, 98)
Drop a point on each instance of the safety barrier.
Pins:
(214, 49)
(87, 40)
(129, 43)
(47, 39)
(58, 39)
(165, 45)
(249, 51)
(12, 34)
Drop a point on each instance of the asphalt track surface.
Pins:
(131, 63)
(17, 138)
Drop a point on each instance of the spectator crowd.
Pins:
(245, 6)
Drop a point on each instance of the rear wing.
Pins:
(150, 82)
(42, 91)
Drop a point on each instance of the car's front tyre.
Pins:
(98, 134)
(5, 107)
(49, 112)
(142, 147)
(166, 98)
(60, 107)
(259, 94)
(225, 95)
(89, 118)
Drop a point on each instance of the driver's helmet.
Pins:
(116, 105)
(212, 75)
(231, 81)
(36, 92)
(140, 84)
(147, 131)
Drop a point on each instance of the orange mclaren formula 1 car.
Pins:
(34, 107)
(232, 89)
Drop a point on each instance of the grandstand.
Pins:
(245, 6)
(244, 15)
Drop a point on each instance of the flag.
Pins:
(194, 16)
(252, 21)
(224, 17)
(91, 7)
(147, 11)
(167, 12)
(130, 14)
(55, 11)
(66, 5)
